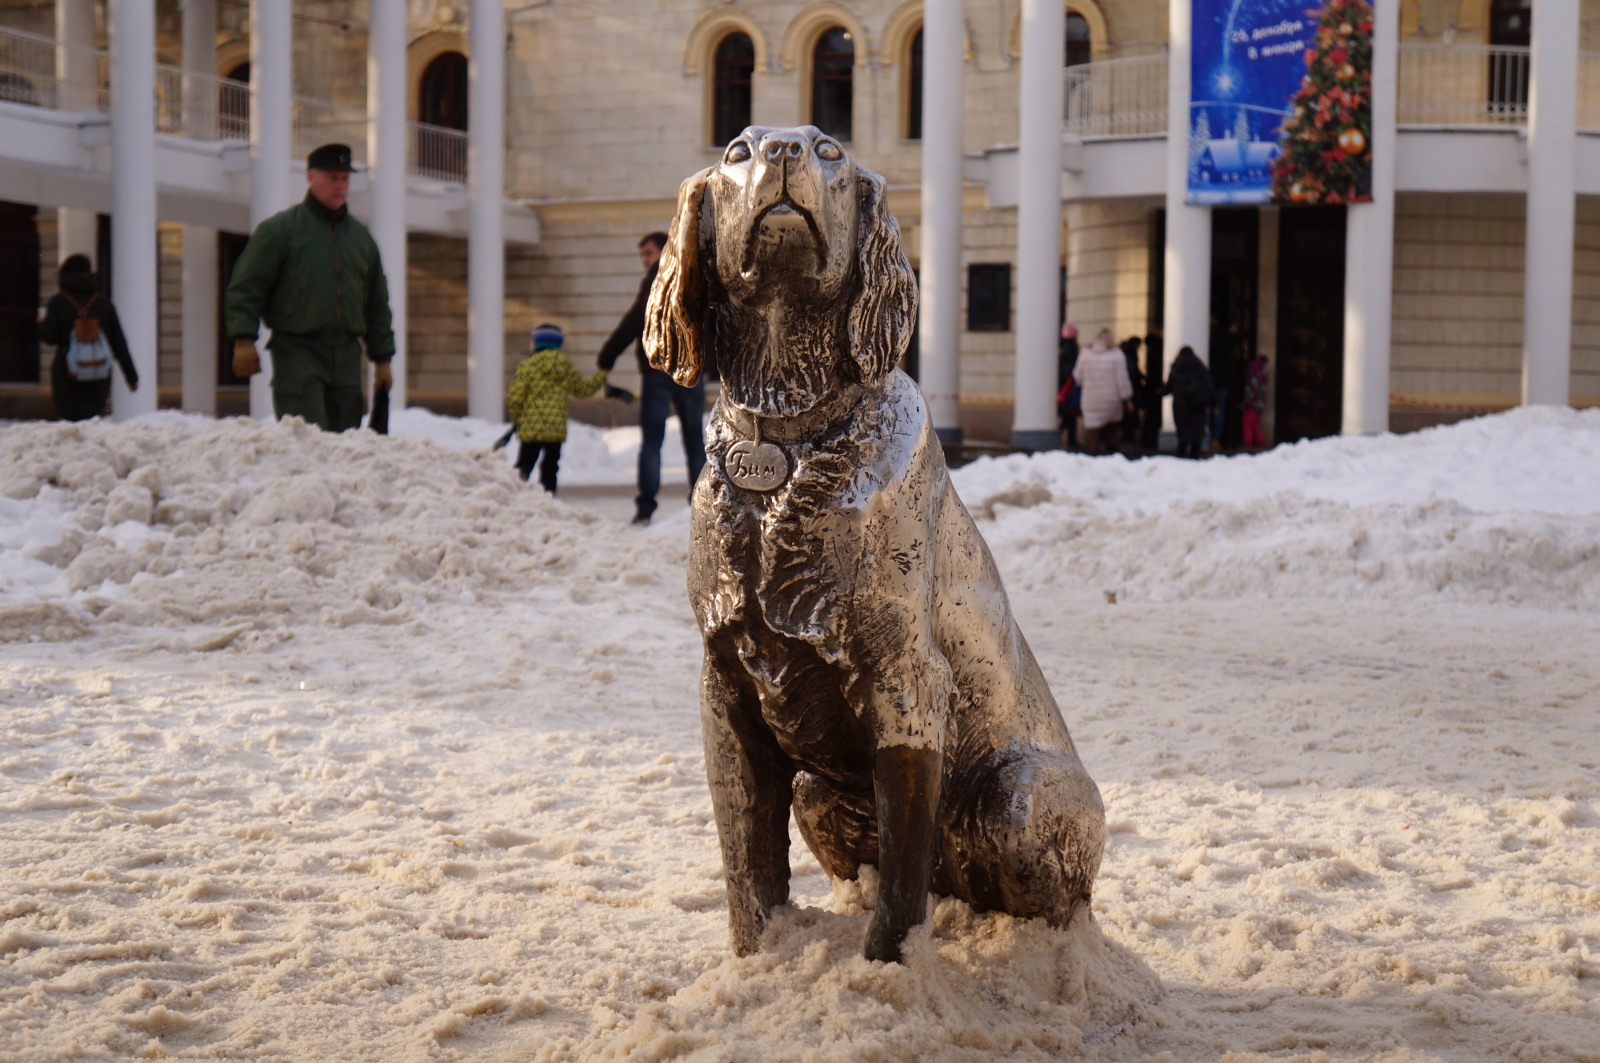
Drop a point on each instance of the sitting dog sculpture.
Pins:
(862, 666)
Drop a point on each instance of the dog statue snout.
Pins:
(775, 147)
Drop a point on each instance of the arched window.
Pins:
(731, 70)
(442, 92)
(233, 105)
(914, 89)
(832, 82)
(1078, 41)
(1510, 32)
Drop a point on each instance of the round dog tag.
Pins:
(756, 466)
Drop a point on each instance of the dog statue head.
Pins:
(784, 256)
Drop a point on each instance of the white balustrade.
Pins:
(1463, 85)
(437, 152)
(1117, 97)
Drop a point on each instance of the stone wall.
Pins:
(1458, 284)
(1586, 305)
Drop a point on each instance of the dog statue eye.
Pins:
(828, 151)
(738, 151)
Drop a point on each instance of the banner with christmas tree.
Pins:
(1281, 102)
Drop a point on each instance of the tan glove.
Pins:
(382, 376)
(246, 362)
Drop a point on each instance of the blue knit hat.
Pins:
(547, 336)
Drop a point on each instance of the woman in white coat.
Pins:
(1102, 373)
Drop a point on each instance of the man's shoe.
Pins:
(642, 520)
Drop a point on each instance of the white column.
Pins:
(1552, 186)
(1369, 248)
(939, 364)
(1186, 308)
(77, 231)
(486, 180)
(1039, 223)
(386, 155)
(271, 141)
(200, 337)
(133, 198)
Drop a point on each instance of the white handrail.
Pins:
(1117, 97)
(1463, 85)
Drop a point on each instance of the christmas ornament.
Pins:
(1352, 141)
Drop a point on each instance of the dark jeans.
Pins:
(529, 453)
(659, 398)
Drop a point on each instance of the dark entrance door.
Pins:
(1235, 268)
(19, 294)
(229, 247)
(1310, 399)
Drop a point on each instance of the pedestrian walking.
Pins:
(1193, 393)
(1102, 373)
(537, 403)
(87, 334)
(1255, 402)
(313, 274)
(1068, 393)
(659, 394)
(1130, 419)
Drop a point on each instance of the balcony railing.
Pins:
(1117, 97)
(206, 107)
(1463, 85)
(438, 152)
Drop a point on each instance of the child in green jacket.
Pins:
(537, 403)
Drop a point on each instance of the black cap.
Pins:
(330, 157)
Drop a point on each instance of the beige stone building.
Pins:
(608, 106)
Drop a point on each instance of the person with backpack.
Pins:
(83, 325)
(1193, 392)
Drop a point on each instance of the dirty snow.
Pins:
(348, 748)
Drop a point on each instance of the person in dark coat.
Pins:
(1068, 395)
(1150, 429)
(75, 399)
(314, 275)
(1192, 392)
(659, 394)
(1130, 419)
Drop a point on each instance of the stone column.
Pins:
(271, 142)
(486, 179)
(386, 155)
(133, 198)
(940, 312)
(1552, 206)
(1186, 306)
(1369, 247)
(77, 231)
(200, 336)
(1039, 223)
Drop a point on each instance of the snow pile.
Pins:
(243, 529)
(1497, 509)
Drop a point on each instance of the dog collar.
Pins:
(755, 463)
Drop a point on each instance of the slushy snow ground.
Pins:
(346, 748)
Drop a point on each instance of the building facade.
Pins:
(607, 107)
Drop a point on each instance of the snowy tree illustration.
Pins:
(1198, 139)
(1241, 127)
(1326, 142)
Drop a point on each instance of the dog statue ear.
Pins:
(885, 310)
(674, 337)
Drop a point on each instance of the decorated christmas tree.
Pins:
(1326, 142)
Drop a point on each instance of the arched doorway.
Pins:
(442, 92)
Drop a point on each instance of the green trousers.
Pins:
(317, 380)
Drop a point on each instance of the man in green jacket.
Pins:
(313, 274)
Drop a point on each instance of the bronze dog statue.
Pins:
(862, 666)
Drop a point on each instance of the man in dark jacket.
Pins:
(659, 395)
(313, 274)
(78, 399)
